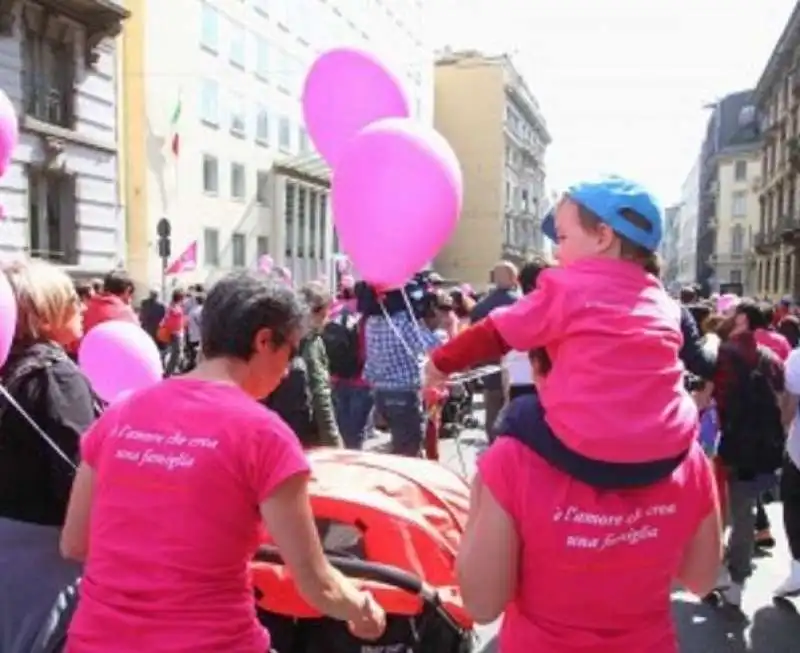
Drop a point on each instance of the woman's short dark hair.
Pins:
(241, 304)
(529, 273)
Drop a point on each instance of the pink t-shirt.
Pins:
(776, 342)
(596, 566)
(615, 392)
(180, 470)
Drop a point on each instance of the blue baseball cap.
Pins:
(607, 197)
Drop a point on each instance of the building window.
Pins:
(238, 53)
(313, 203)
(262, 58)
(302, 140)
(262, 246)
(289, 218)
(49, 70)
(262, 188)
(737, 239)
(210, 174)
(787, 274)
(776, 275)
(736, 276)
(302, 197)
(740, 170)
(323, 226)
(211, 247)
(285, 134)
(237, 112)
(279, 69)
(53, 228)
(239, 250)
(209, 31)
(262, 125)
(739, 204)
(209, 102)
(238, 185)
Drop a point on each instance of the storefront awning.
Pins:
(310, 168)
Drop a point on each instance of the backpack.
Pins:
(341, 339)
(292, 401)
(753, 439)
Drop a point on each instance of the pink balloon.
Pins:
(396, 197)
(9, 131)
(119, 357)
(345, 90)
(8, 317)
(265, 263)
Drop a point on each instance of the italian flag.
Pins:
(176, 136)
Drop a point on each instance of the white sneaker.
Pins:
(732, 595)
(792, 583)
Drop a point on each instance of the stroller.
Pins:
(392, 524)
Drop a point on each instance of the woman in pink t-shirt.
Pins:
(580, 568)
(175, 484)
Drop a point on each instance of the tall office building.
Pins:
(217, 141)
(58, 65)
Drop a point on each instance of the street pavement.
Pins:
(761, 627)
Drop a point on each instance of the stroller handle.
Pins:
(374, 571)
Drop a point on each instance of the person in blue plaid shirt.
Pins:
(394, 374)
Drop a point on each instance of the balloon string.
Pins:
(417, 329)
(399, 335)
(36, 427)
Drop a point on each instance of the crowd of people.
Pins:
(626, 428)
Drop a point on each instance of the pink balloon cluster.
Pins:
(397, 184)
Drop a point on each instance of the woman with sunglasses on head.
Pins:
(198, 467)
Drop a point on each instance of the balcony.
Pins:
(760, 242)
(101, 19)
(789, 228)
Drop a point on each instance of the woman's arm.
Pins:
(701, 559)
(488, 558)
(289, 520)
(75, 534)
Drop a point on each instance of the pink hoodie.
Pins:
(615, 392)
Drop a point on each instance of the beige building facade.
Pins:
(777, 95)
(484, 108)
(737, 218)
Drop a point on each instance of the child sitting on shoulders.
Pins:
(613, 411)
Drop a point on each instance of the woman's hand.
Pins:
(370, 623)
(431, 377)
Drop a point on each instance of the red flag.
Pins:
(186, 262)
